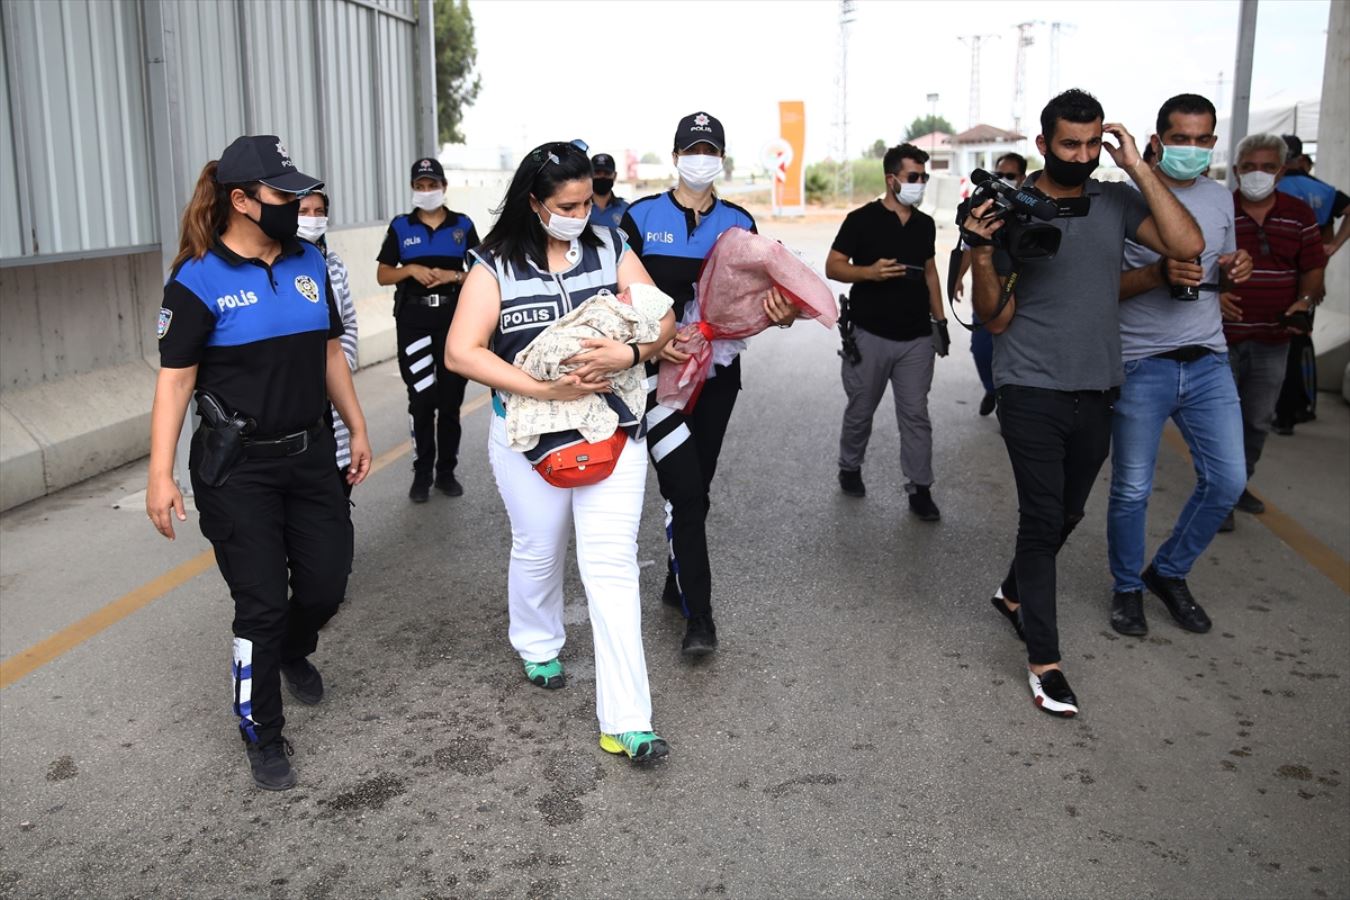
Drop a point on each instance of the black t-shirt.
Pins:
(258, 334)
(897, 309)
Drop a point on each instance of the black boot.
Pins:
(420, 492)
(700, 637)
(1127, 613)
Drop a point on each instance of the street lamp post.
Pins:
(932, 118)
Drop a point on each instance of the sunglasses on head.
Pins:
(549, 152)
(912, 177)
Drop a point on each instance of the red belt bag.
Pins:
(580, 465)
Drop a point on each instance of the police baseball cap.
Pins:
(699, 127)
(262, 157)
(427, 167)
(603, 162)
(1294, 144)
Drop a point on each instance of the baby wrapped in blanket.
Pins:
(634, 316)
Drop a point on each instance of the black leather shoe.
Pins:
(1249, 503)
(700, 638)
(988, 403)
(1176, 596)
(1228, 524)
(271, 769)
(1283, 426)
(447, 485)
(303, 681)
(1127, 613)
(1012, 615)
(922, 505)
(1051, 692)
(851, 483)
(420, 492)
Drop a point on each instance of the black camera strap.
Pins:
(1004, 296)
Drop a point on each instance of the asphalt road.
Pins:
(865, 729)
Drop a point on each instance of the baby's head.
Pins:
(649, 301)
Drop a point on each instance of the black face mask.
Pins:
(279, 221)
(1069, 174)
(602, 186)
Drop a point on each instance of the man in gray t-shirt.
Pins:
(1057, 356)
(1176, 367)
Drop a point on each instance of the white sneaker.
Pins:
(1051, 692)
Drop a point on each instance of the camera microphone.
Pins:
(1032, 204)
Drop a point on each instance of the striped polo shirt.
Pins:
(1282, 247)
(533, 298)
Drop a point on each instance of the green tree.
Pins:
(650, 159)
(927, 125)
(456, 84)
(728, 166)
(876, 151)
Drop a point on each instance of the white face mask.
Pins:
(428, 200)
(564, 228)
(698, 171)
(313, 227)
(1256, 186)
(910, 194)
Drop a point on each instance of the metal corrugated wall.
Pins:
(76, 128)
(336, 79)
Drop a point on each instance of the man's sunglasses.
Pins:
(549, 152)
(912, 177)
(1008, 176)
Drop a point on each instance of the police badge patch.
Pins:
(165, 319)
(307, 288)
(458, 235)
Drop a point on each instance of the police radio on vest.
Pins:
(231, 301)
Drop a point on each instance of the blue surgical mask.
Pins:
(1184, 163)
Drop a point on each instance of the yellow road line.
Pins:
(1300, 540)
(44, 651)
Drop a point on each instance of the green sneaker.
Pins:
(548, 675)
(640, 746)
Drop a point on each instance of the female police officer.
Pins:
(540, 261)
(249, 322)
(672, 233)
(423, 253)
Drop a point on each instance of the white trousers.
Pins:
(606, 516)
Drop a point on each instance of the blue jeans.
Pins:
(1201, 397)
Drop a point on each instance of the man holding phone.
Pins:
(886, 250)
(1176, 367)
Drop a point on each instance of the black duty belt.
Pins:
(1189, 353)
(432, 300)
(272, 447)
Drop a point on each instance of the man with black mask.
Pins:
(606, 209)
(1057, 364)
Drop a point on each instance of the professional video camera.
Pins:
(1021, 236)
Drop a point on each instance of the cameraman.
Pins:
(1176, 367)
(886, 249)
(1057, 362)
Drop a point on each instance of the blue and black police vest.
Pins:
(417, 241)
(672, 249)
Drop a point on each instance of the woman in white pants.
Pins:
(540, 260)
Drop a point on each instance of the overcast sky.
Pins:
(620, 74)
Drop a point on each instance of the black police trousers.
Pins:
(434, 393)
(684, 451)
(282, 536)
(1057, 442)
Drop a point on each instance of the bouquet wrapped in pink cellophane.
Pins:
(737, 273)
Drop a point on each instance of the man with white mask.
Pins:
(423, 254)
(672, 233)
(1280, 233)
(885, 249)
